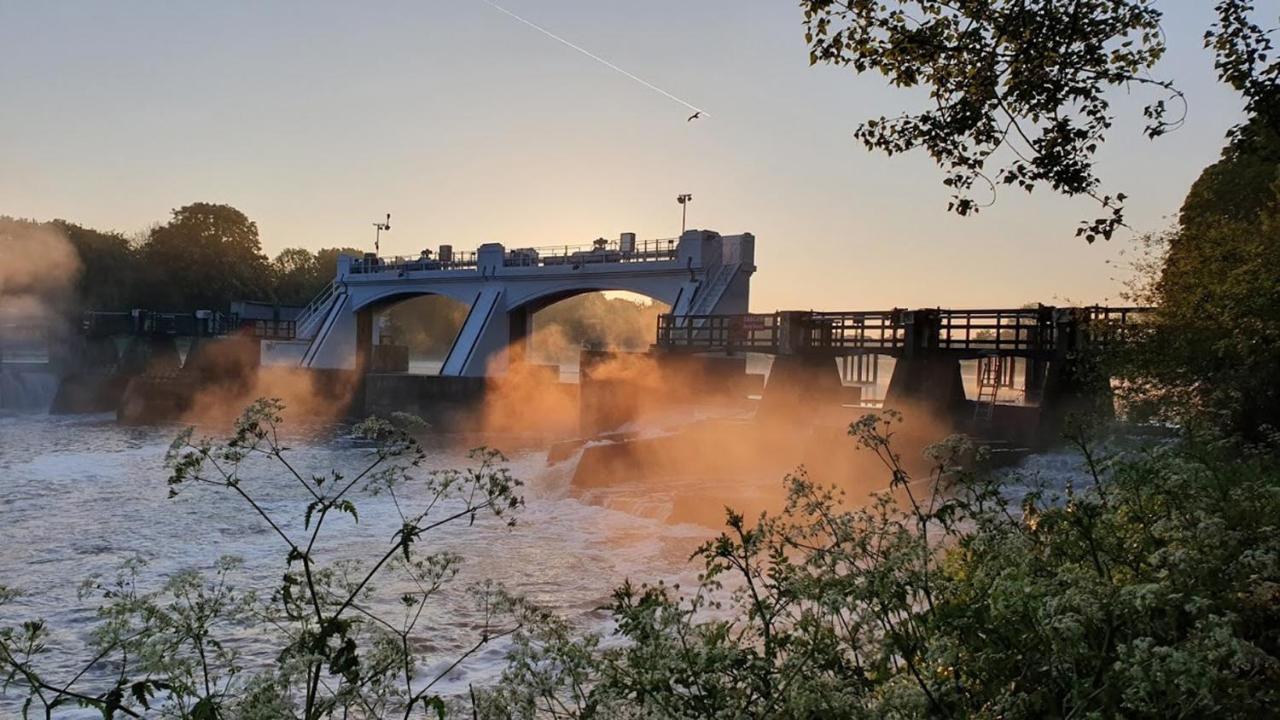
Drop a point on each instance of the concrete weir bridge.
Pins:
(699, 273)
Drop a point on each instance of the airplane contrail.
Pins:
(595, 57)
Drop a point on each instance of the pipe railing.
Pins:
(600, 251)
(319, 301)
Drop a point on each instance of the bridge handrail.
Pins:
(881, 329)
(739, 332)
(997, 330)
(637, 251)
(398, 263)
(609, 251)
(312, 307)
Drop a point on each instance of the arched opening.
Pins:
(560, 327)
(414, 333)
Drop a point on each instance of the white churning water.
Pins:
(79, 495)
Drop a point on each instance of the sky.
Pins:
(316, 118)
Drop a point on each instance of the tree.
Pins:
(206, 256)
(1242, 185)
(327, 261)
(1018, 89)
(109, 275)
(1209, 355)
(296, 276)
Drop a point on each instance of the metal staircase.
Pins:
(710, 293)
(312, 316)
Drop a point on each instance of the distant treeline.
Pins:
(206, 256)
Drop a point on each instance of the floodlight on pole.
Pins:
(377, 237)
(684, 199)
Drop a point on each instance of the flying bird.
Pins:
(694, 116)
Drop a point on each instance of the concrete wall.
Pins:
(436, 399)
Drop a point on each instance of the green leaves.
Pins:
(1244, 58)
(1015, 84)
(1141, 596)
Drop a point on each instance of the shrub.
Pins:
(1153, 592)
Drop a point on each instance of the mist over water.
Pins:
(80, 495)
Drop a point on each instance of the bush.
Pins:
(1154, 592)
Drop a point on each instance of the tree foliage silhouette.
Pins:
(1019, 89)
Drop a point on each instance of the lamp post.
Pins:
(377, 237)
(684, 199)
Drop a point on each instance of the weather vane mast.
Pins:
(684, 199)
(377, 236)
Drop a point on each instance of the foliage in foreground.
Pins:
(347, 635)
(1155, 592)
(1208, 355)
(1020, 92)
(1152, 591)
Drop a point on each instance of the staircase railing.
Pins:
(320, 300)
(709, 294)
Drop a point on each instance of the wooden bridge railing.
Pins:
(871, 330)
(1027, 332)
(750, 333)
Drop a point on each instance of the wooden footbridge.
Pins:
(1037, 333)
(1044, 344)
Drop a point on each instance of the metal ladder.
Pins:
(990, 377)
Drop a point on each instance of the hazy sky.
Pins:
(316, 118)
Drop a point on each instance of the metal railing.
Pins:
(319, 301)
(752, 333)
(1031, 332)
(369, 264)
(600, 251)
(999, 330)
(870, 330)
(1107, 325)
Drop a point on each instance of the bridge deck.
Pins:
(1011, 332)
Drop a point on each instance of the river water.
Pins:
(81, 494)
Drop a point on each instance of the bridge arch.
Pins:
(550, 328)
(537, 298)
(391, 296)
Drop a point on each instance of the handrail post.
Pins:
(921, 330)
(793, 327)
